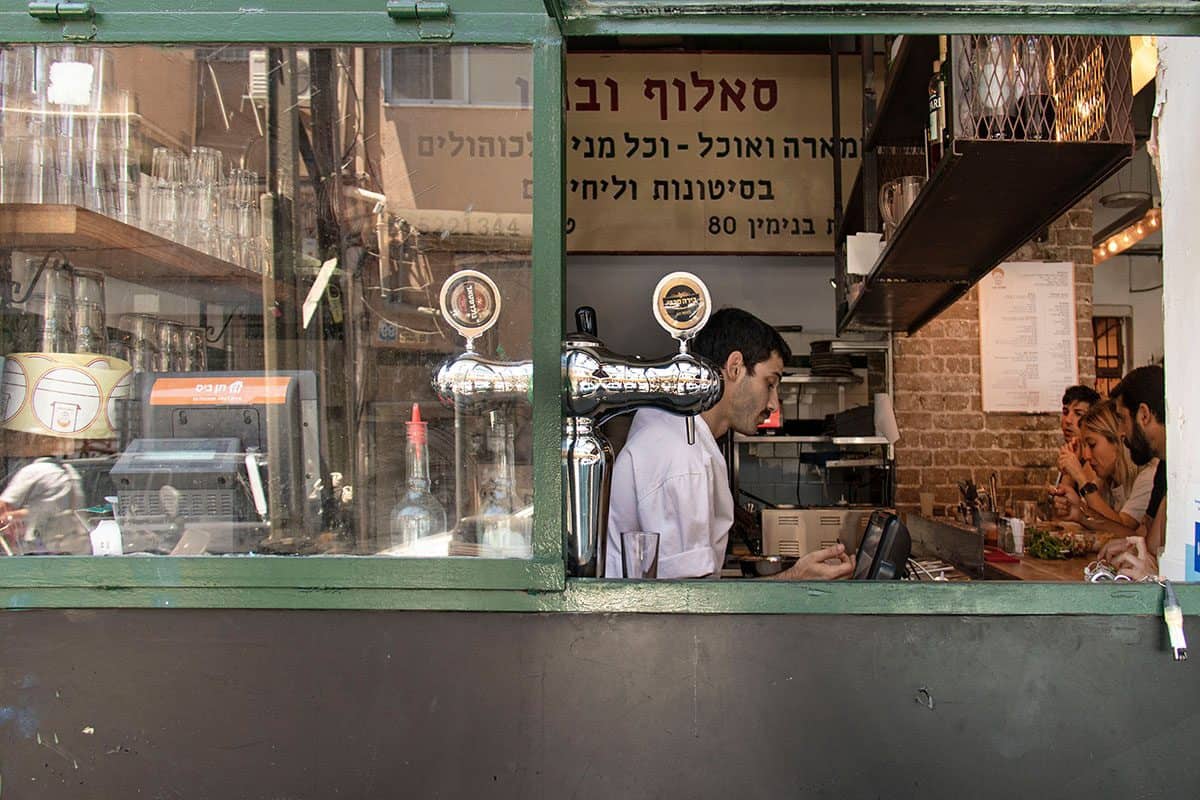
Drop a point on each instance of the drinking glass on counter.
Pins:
(639, 554)
(58, 309)
(141, 341)
(195, 349)
(169, 337)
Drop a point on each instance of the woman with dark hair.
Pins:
(1112, 494)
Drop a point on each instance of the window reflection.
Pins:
(223, 319)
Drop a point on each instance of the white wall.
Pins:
(1112, 281)
(1179, 64)
(781, 290)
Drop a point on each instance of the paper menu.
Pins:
(1027, 330)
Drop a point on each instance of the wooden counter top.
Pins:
(1039, 569)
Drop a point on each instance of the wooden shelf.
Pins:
(121, 251)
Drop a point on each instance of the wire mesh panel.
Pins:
(1042, 88)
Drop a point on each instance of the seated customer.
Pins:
(1113, 495)
(1076, 402)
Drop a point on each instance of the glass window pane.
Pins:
(228, 265)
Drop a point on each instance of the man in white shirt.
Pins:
(681, 491)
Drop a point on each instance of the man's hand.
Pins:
(12, 523)
(1115, 547)
(826, 564)
(1136, 562)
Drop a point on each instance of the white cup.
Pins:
(1018, 534)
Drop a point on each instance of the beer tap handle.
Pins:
(585, 320)
(691, 429)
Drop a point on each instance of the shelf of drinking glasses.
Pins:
(127, 253)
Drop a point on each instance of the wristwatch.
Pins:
(1088, 488)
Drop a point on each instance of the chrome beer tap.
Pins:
(470, 382)
(599, 384)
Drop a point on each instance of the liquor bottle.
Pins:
(418, 513)
(935, 132)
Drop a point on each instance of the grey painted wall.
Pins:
(268, 705)
(781, 290)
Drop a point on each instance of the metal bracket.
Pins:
(212, 337)
(12, 294)
(433, 17)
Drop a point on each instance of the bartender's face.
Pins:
(755, 394)
(1070, 418)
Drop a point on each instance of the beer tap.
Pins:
(470, 382)
(599, 384)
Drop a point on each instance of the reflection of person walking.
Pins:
(38, 504)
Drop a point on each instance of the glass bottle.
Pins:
(935, 130)
(1035, 106)
(418, 513)
(994, 88)
(499, 529)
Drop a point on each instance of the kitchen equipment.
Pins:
(796, 531)
(895, 199)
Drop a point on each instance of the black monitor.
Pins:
(884, 550)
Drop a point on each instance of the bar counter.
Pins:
(1038, 569)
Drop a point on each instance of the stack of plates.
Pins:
(827, 364)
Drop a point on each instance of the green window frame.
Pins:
(507, 22)
(540, 585)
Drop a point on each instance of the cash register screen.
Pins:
(884, 549)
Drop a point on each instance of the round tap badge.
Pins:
(682, 304)
(470, 302)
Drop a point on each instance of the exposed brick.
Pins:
(959, 402)
(985, 441)
(930, 440)
(912, 346)
(1073, 237)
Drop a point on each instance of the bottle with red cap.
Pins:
(418, 514)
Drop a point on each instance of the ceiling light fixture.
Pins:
(1110, 244)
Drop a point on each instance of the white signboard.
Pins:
(1027, 336)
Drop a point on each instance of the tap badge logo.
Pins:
(681, 304)
(470, 302)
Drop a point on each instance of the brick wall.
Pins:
(945, 434)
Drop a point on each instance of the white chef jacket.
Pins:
(661, 483)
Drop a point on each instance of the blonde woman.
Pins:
(1112, 494)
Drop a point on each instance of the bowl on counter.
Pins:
(762, 566)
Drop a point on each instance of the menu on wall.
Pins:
(1027, 336)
